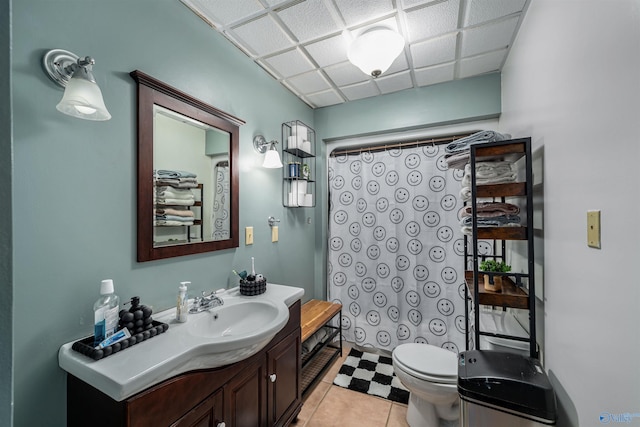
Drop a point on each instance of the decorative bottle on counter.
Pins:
(105, 312)
(182, 306)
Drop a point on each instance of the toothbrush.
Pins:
(253, 268)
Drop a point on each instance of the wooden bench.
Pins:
(315, 315)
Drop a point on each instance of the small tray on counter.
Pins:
(85, 345)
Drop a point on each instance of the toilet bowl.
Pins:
(430, 374)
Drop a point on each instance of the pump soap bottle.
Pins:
(182, 306)
(105, 312)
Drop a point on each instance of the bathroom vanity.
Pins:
(261, 390)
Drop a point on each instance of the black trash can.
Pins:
(504, 389)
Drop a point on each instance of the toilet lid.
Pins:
(428, 361)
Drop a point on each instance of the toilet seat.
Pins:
(427, 362)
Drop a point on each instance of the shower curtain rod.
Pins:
(382, 147)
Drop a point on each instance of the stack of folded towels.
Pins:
(172, 197)
(457, 152)
(490, 214)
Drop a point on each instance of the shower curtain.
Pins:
(220, 211)
(395, 248)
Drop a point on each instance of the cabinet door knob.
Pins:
(272, 377)
(222, 424)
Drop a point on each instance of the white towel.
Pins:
(490, 173)
(174, 193)
(179, 202)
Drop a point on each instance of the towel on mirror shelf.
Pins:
(491, 209)
(457, 160)
(174, 193)
(476, 138)
(178, 182)
(172, 211)
(178, 202)
(465, 193)
(490, 173)
(166, 173)
(167, 223)
(174, 218)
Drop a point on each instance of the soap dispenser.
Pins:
(182, 306)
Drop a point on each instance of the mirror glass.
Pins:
(187, 173)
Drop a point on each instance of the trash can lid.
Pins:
(506, 380)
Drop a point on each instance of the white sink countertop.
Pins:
(175, 351)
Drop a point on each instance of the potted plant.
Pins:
(494, 266)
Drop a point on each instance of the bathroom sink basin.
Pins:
(250, 318)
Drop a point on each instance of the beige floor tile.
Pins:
(311, 403)
(344, 408)
(398, 416)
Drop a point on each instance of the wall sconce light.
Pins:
(271, 158)
(82, 97)
(375, 49)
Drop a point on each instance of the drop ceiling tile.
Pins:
(345, 74)
(309, 82)
(359, 11)
(224, 13)
(263, 36)
(290, 63)
(488, 37)
(434, 51)
(328, 51)
(308, 20)
(406, 4)
(325, 98)
(482, 64)
(479, 11)
(434, 75)
(394, 82)
(360, 90)
(432, 20)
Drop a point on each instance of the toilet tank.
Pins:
(502, 322)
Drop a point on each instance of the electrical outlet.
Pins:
(593, 229)
(274, 234)
(248, 236)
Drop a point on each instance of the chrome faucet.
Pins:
(206, 302)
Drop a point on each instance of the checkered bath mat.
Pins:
(372, 374)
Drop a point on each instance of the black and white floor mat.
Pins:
(371, 374)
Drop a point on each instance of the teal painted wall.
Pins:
(6, 160)
(459, 101)
(74, 181)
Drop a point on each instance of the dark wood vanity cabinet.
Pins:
(261, 391)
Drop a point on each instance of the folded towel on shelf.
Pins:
(457, 160)
(174, 193)
(491, 209)
(178, 212)
(495, 221)
(178, 183)
(169, 201)
(465, 193)
(476, 138)
(174, 218)
(490, 173)
(313, 340)
(167, 223)
(165, 173)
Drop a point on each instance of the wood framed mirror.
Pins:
(188, 177)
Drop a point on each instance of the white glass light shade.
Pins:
(375, 50)
(272, 159)
(83, 99)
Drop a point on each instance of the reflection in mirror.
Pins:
(191, 164)
(187, 173)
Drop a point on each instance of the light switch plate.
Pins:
(274, 234)
(593, 229)
(248, 236)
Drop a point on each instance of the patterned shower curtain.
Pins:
(395, 248)
(220, 215)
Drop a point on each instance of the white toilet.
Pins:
(430, 374)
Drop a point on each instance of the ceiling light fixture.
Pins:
(375, 49)
(82, 97)
(271, 158)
